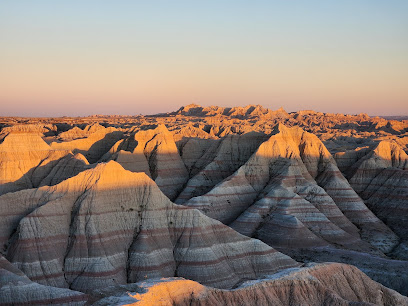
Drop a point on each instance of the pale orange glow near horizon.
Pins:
(110, 62)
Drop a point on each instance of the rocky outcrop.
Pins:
(77, 133)
(188, 132)
(68, 166)
(247, 112)
(219, 162)
(381, 179)
(25, 160)
(155, 153)
(17, 289)
(73, 232)
(384, 156)
(37, 129)
(110, 226)
(291, 187)
(321, 284)
(92, 147)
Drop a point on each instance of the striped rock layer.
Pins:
(219, 161)
(291, 194)
(110, 226)
(322, 284)
(381, 179)
(17, 289)
(155, 153)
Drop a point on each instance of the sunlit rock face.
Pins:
(110, 226)
(324, 284)
(87, 212)
(155, 153)
(25, 160)
(77, 133)
(92, 147)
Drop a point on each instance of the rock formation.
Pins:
(218, 162)
(76, 132)
(291, 187)
(86, 211)
(155, 153)
(109, 226)
(25, 160)
(92, 147)
(381, 178)
(323, 284)
(17, 289)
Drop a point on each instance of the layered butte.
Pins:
(380, 176)
(110, 226)
(291, 194)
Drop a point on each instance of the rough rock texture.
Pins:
(247, 112)
(389, 272)
(68, 166)
(219, 162)
(291, 194)
(37, 129)
(267, 174)
(155, 153)
(190, 131)
(17, 289)
(109, 226)
(92, 147)
(25, 160)
(76, 132)
(381, 179)
(321, 284)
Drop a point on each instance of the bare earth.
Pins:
(204, 206)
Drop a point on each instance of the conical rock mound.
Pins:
(219, 162)
(292, 173)
(155, 153)
(110, 226)
(381, 178)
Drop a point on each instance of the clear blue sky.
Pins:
(131, 57)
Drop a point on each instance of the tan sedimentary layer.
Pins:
(110, 226)
(94, 146)
(322, 284)
(292, 173)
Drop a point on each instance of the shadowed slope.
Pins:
(94, 146)
(18, 289)
(381, 178)
(231, 153)
(282, 179)
(110, 226)
(155, 153)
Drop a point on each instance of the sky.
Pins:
(78, 58)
